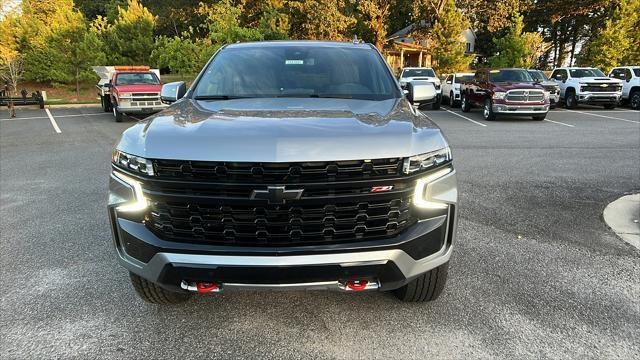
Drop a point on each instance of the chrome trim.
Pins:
(520, 109)
(321, 285)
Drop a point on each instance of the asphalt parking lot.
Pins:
(535, 271)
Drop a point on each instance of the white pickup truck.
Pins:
(630, 77)
(582, 85)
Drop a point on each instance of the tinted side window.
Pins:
(450, 78)
(627, 74)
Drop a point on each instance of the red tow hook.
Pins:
(205, 287)
(357, 285)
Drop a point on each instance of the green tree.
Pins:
(274, 21)
(129, 40)
(321, 19)
(613, 43)
(517, 48)
(448, 45)
(180, 54)
(223, 24)
(81, 49)
(374, 14)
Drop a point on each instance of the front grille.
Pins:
(145, 97)
(601, 87)
(231, 203)
(292, 224)
(525, 95)
(282, 173)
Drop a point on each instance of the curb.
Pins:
(623, 217)
(71, 106)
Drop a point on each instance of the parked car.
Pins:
(410, 74)
(451, 87)
(583, 85)
(630, 77)
(549, 86)
(129, 89)
(505, 92)
(313, 173)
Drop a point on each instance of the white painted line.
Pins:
(559, 123)
(58, 116)
(604, 116)
(464, 117)
(53, 121)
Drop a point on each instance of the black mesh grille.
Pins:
(225, 202)
(235, 172)
(280, 225)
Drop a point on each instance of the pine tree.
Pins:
(130, 39)
(517, 48)
(448, 47)
(614, 44)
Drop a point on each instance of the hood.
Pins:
(548, 83)
(507, 85)
(139, 88)
(283, 130)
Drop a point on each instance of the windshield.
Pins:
(509, 75)
(538, 75)
(579, 73)
(297, 71)
(137, 79)
(407, 73)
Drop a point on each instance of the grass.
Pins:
(66, 93)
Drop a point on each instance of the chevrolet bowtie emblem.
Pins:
(276, 194)
(604, 85)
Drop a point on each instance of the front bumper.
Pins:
(141, 110)
(599, 98)
(520, 109)
(389, 262)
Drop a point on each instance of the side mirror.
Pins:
(421, 91)
(173, 92)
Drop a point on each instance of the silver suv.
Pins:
(286, 165)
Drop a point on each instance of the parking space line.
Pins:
(464, 117)
(559, 123)
(53, 121)
(604, 116)
(58, 116)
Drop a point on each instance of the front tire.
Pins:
(154, 294)
(634, 100)
(539, 117)
(106, 103)
(465, 105)
(117, 114)
(426, 287)
(487, 110)
(452, 100)
(436, 105)
(570, 101)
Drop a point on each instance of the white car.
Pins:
(583, 85)
(451, 87)
(423, 74)
(630, 77)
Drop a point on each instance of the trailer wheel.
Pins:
(105, 101)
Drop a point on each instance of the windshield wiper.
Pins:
(219, 97)
(321, 96)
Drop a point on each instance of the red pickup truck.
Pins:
(129, 89)
(505, 92)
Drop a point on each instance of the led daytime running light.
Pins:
(419, 198)
(140, 202)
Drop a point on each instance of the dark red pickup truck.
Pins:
(505, 92)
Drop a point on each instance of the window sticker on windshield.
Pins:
(294, 62)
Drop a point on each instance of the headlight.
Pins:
(436, 190)
(426, 161)
(499, 95)
(131, 162)
(124, 95)
(139, 202)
